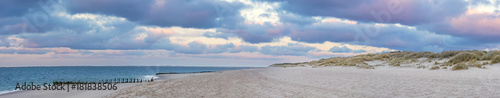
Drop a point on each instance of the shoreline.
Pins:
(88, 93)
(8, 92)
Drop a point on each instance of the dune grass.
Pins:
(381, 57)
(474, 63)
(396, 62)
(490, 55)
(495, 59)
(479, 53)
(365, 66)
(486, 63)
(447, 54)
(462, 57)
(330, 61)
(434, 68)
(284, 65)
(417, 55)
(341, 61)
(458, 60)
(460, 66)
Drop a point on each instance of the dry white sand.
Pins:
(327, 82)
(383, 81)
(85, 93)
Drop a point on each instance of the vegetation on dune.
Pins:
(329, 62)
(417, 55)
(462, 57)
(447, 54)
(436, 63)
(490, 55)
(363, 66)
(460, 66)
(459, 60)
(434, 68)
(445, 67)
(399, 54)
(288, 64)
(381, 57)
(474, 63)
(343, 61)
(486, 63)
(479, 53)
(495, 59)
(396, 62)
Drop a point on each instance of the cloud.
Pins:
(248, 48)
(247, 29)
(344, 49)
(296, 19)
(165, 13)
(256, 33)
(475, 25)
(407, 12)
(393, 36)
(290, 49)
(218, 35)
(113, 53)
(324, 31)
(4, 50)
(21, 50)
(192, 48)
(16, 8)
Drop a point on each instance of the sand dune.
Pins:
(327, 82)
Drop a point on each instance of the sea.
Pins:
(10, 76)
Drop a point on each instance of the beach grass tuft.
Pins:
(434, 68)
(448, 54)
(486, 63)
(396, 62)
(381, 56)
(365, 66)
(479, 53)
(490, 55)
(463, 57)
(474, 63)
(495, 59)
(460, 66)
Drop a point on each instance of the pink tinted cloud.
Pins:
(477, 23)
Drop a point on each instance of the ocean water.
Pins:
(10, 76)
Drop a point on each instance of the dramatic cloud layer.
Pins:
(408, 12)
(183, 13)
(258, 32)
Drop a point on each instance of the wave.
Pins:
(9, 91)
(150, 76)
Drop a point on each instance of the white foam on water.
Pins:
(150, 76)
(6, 92)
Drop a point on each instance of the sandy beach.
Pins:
(86, 93)
(335, 81)
(327, 82)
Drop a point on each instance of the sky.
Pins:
(235, 32)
